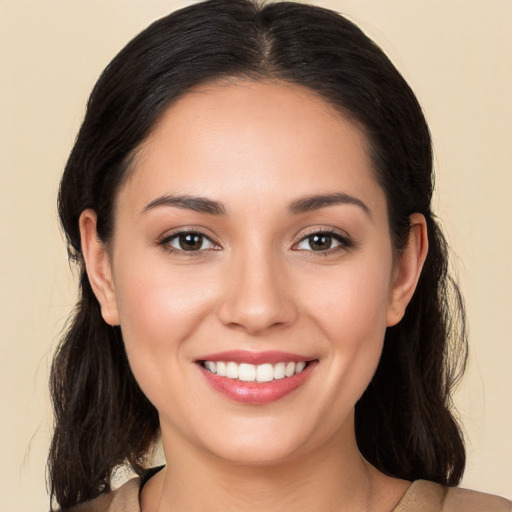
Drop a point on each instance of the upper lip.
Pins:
(251, 357)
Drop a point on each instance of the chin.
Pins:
(256, 447)
(255, 456)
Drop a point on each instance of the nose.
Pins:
(257, 295)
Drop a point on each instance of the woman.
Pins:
(263, 283)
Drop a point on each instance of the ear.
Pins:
(98, 267)
(408, 269)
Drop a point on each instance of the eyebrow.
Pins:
(197, 204)
(315, 202)
(302, 205)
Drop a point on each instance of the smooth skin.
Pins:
(254, 277)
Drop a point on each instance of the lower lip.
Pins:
(257, 392)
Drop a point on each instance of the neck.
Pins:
(333, 478)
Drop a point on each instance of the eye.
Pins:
(188, 241)
(322, 241)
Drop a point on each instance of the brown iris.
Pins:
(190, 241)
(320, 242)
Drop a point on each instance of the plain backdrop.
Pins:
(457, 56)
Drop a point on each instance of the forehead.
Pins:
(252, 139)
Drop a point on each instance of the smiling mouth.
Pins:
(256, 378)
(246, 372)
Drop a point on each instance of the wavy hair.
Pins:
(404, 421)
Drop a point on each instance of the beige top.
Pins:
(422, 496)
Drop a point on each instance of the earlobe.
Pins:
(408, 269)
(98, 267)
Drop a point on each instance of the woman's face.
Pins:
(252, 235)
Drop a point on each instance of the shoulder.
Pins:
(424, 496)
(123, 499)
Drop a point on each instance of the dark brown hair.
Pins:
(404, 421)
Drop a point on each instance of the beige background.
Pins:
(457, 56)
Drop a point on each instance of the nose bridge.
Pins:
(256, 296)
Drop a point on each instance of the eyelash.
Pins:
(166, 241)
(344, 242)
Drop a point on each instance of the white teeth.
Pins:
(255, 373)
(290, 369)
(212, 366)
(232, 370)
(247, 372)
(221, 368)
(264, 372)
(279, 369)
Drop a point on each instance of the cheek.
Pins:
(351, 309)
(160, 308)
(353, 299)
(150, 303)
(153, 292)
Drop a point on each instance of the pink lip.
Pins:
(247, 356)
(257, 392)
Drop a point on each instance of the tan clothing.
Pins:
(422, 496)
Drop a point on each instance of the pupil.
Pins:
(191, 241)
(320, 242)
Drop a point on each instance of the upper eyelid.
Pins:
(167, 244)
(305, 234)
(169, 235)
(326, 230)
(345, 241)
